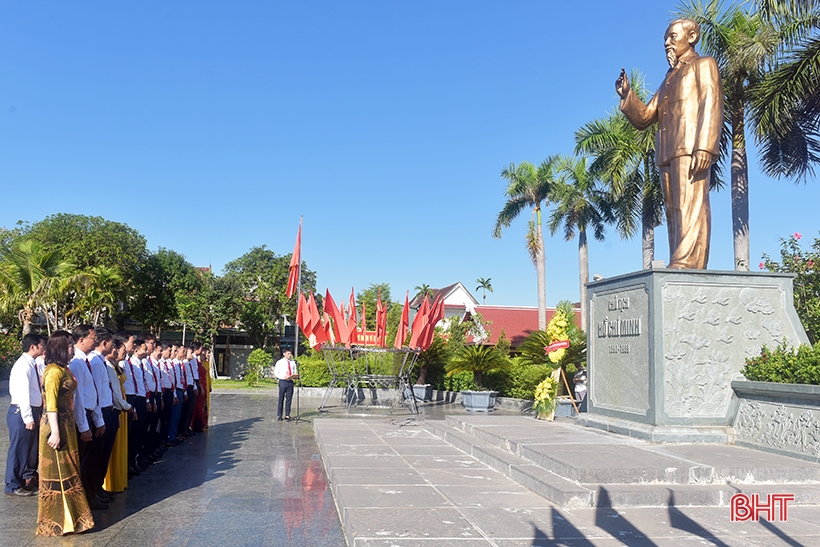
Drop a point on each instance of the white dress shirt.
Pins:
(179, 374)
(165, 373)
(189, 374)
(119, 402)
(134, 383)
(99, 371)
(24, 386)
(284, 368)
(151, 376)
(88, 393)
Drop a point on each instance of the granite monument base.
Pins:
(665, 345)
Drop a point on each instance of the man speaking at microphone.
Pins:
(285, 372)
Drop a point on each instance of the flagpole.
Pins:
(298, 292)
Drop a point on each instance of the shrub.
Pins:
(805, 264)
(10, 350)
(785, 365)
(459, 381)
(313, 371)
(523, 379)
(258, 360)
(478, 360)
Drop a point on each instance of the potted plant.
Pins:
(478, 360)
(436, 353)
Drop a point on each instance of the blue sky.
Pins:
(211, 127)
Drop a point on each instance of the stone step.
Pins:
(610, 490)
(604, 458)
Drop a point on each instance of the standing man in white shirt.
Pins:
(23, 419)
(135, 395)
(99, 371)
(91, 447)
(285, 371)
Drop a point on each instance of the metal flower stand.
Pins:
(364, 368)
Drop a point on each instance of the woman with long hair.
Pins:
(62, 507)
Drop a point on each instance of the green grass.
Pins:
(264, 383)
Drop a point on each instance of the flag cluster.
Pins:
(340, 325)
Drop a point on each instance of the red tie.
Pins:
(289, 372)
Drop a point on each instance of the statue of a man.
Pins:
(689, 110)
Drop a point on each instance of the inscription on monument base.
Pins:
(619, 343)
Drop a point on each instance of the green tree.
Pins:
(29, 276)
(785, 105)
(422, 290)
(368, 297)
(625, 161)
(580, 205)
(91, 241)
(484, 285)
(262, 278)
(98, 295)
(529, 187)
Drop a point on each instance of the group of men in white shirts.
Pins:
(161, 385)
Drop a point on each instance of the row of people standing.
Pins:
(94, 435)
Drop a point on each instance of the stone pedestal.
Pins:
(664, 346)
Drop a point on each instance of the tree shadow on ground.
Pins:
(200, 459)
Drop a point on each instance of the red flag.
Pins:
(333, 312)
(352, 309)
(381, 321)
(436, 314)
(418, 322)
(300, 312)
(295, 263)
(401, 334)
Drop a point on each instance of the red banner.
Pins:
(555, 346)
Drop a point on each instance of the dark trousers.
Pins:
(187, 409)
(151, 438)
(91, 454)
(111, 416)
(135, 428)
(165, 416)
(285, 397)
(175, 413)
(23, 444)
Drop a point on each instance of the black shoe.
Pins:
(158, 453)
(287, 418)
(97, 505)
(278, 418)
(101, 500)
(105, 497)
(133, 472)
(21, 492)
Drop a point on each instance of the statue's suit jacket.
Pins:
(688, 108)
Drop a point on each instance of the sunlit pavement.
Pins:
(249, 480)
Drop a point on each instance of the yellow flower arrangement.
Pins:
(546, 395)
(557, 330)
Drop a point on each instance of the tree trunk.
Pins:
(422, 379)
(740, 190)
(477, 378)
(583, 272)
(26, 317)
(647, 223)
(541, 271)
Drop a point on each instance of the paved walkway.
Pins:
(249, 480)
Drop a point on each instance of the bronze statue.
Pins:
(689, 110)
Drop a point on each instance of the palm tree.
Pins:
(28, 277)
(485, 285)
(786, 102)
(530, 187)
(625, 161)
(580, 205)
(422, 290)
(478, 360)
(741, 42)
(98, 293)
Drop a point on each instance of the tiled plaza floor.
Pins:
(249, 480)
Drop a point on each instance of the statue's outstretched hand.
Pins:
(622, 84)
